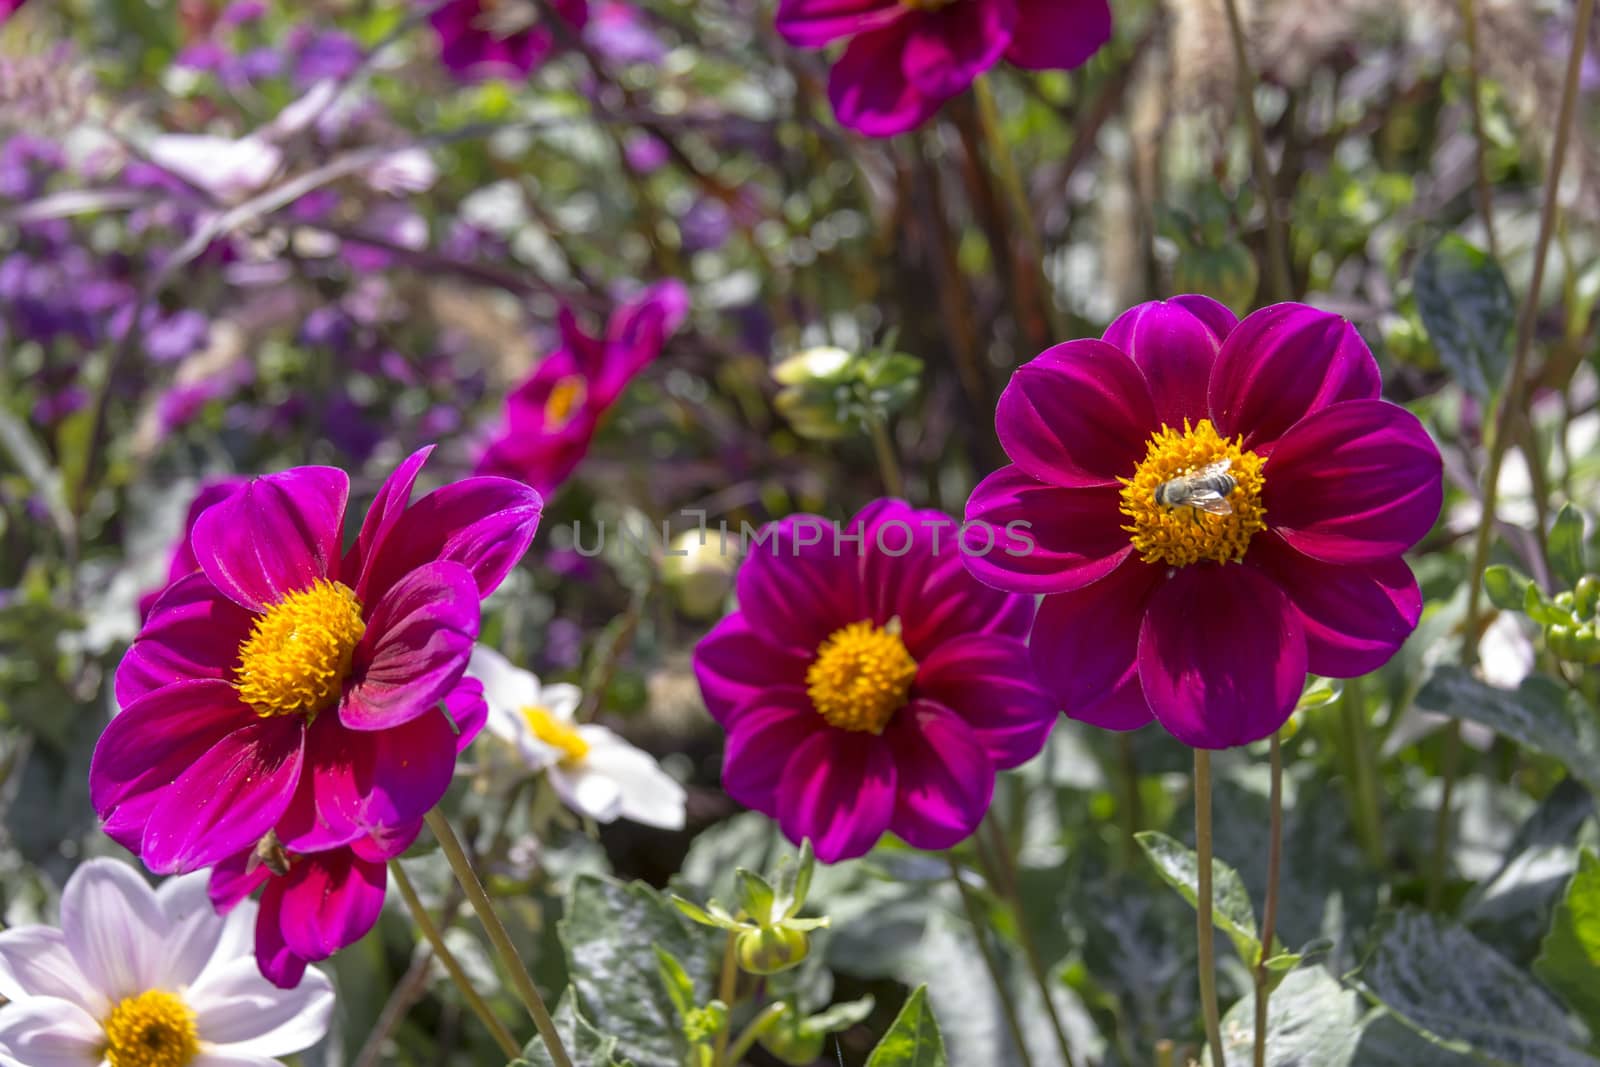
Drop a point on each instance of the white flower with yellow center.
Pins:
(595, 772)
(137, 977)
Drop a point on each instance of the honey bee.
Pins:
(269, 853)
(1204, 490)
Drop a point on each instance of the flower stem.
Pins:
(1269, 914)
(1277, 232)
(1364, 772)
(727, 984)
(521, 981)
(893, 481)
(435, 939)
(757, 1027)
(1002, 994)
(1480, 140)
(1205, 932)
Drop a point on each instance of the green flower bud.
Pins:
(1586, 644)
(1560, 639)
(1564, 600)
(768, 950)
(792, 1041)
(1586, 596)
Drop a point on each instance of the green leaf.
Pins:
(679, 986)
(1569, 957)
(1311, 1022)
(1507, 590)
(612, 932)
(1566, 546)
(1231, 911)
(586, 1046)
(913, 1040)
(756, 896)
(1468, 310)
(1453, 989)
(1539, 714)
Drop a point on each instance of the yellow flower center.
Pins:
(297, 657)
(559, 735)
(153, 1029)
(1177, 529)
(566, 396)
(862, 675)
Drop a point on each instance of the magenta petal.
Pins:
(1077, 415)
(1174, 342)
(800, 582)
(1124, 708)
(839, 790)
(484, 524)
(193, 632)
(870, 92)
(277, 962)
(1357, 482)
(1058, 34)
(330, 901)
(1356, 618)
(734, 664)
(418, 641)
(815, 23)
(326, 809)
(234, 879)
(1086, 643)
(393, 497)
(635, 336)
(151, 744)
(1025, 536)
(1281, 364)
(387, 842)
(227, 799)
(761, 741)
(279, 534)
(989, 683)
(948, 47)
(407, 770)
(944, 778)
(468, 711)
(1222, 656)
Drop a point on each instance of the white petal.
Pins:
(241, 1012)
(587, 792)
(220, 1058)
(115, 929)
(34, 962)
(226, 168)
(510, 688)
(409, 170)
(195, 927)
(48, 1032)
(649, 794)
(561, 700)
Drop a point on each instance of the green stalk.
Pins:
(1269, 914)
(1277, 232)
(1007, 1005)
(1205, 932)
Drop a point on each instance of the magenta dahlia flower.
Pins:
(1214, 508)
(552, 418)
(870, 685)
(183, 561)
(287, 687)
(905, 58)
(482, 39)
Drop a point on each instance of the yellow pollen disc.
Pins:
(557, 734)
(566, 396)
(862, 675)
(297, 657)
(1179, 536)
(153, 1029)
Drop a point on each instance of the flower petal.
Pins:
(279, 534)
(800, 582)
(1077, 415)
(194, 927)
(227, 799)
(1174, 342)
(815, 23)
(391, 502)
(838, 790)
(1222, 656)
(1085, 643)
(278, 964)
(418, 642)
(734, 665)
(762, 738)
(1058, 34)
(869, 90)
(505, 685)
(240, 1014)
(1283, 363)
(47, 1032)
(330, 901)
(1357, 482)
(468, 711)
(1026, 536)
(114, 928)
(948, 47)
(944, 778)
(1355, 618)
(650, 796)
(587, 792)
(635, 336)
(987, 681)
(193, 632)
(35, 962)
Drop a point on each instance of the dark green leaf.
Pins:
(1311, 1020)
(586, 1046)
(1566, 546)
(1539, 714)
(1569, 958)
(1506, 588)
(1231, 910)
(1468, 310)
(913, 1040)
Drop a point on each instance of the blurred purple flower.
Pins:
(479, 39)
(318, 56)
(645, 153)
(619, 32)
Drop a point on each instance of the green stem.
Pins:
(1269, 914)
(1368, 811)
(727, 986)
(1132, 805)
(435, 939)
(1277, 232)
(521, 981)
(757, 1027)
(893, 480)
(1002, 994)
(1469, 26)
(1205, 932)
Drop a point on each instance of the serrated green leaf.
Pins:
(913, 1039)
(1540, 714)
(1566, 546)
(1569, 956)
(586, 1045)
(1468, 311)
(1312, 1021)
(1506, 589)
(1231, 912)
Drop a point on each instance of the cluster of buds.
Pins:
(1569, 618)
(828, 392)
(769, 935)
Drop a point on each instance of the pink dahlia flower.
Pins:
(905, 58)
(870, 685)
(1202, 604)
(482, 39)
(552, 418)
(287, 687)
(183, 561)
